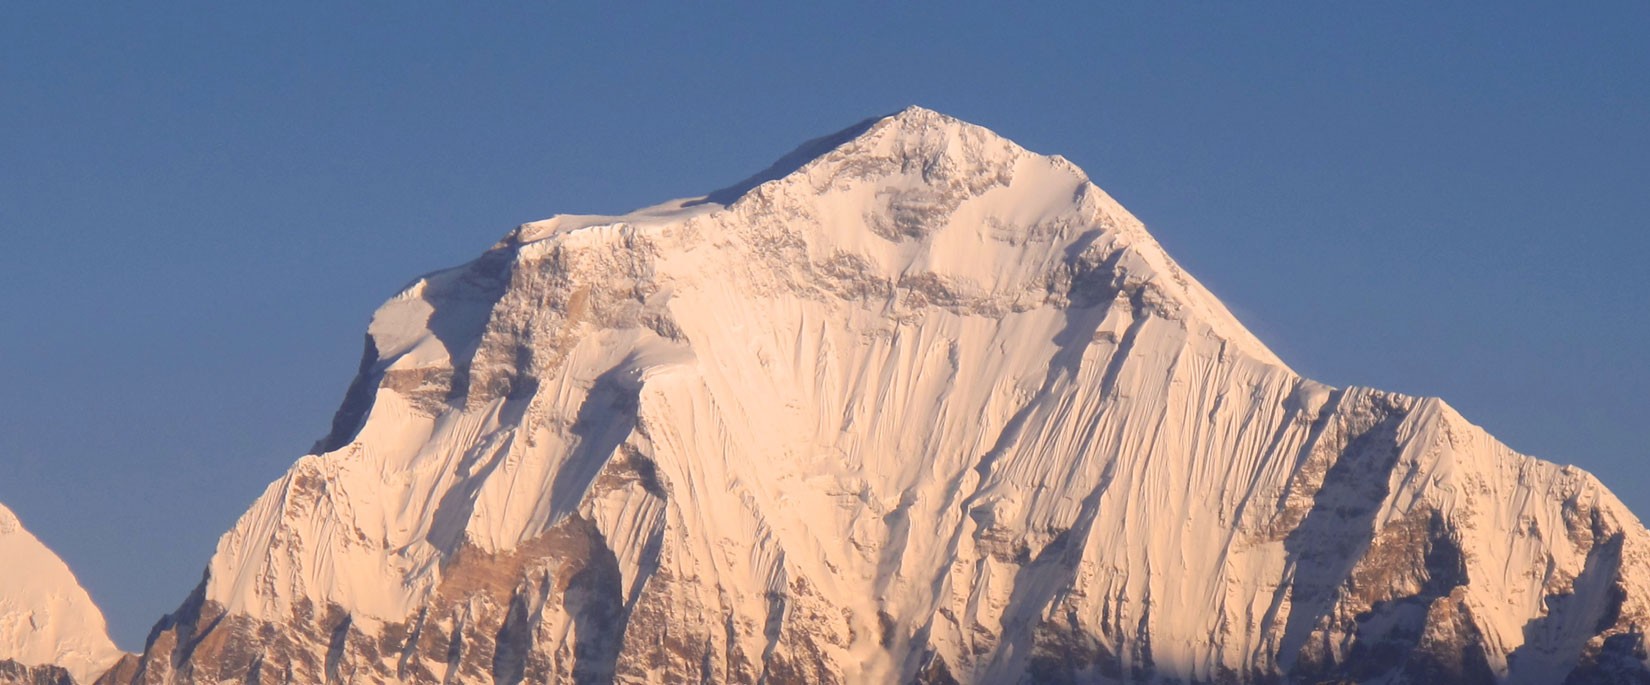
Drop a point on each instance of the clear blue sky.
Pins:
(200, 205)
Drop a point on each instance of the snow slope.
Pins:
(46, 618)
(914, 404)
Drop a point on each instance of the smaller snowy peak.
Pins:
(46, 618)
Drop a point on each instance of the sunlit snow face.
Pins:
(924, 398)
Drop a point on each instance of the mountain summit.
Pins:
(915, 404)
(49, 629)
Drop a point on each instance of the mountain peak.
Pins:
(912, 118)
(919, 191)
(46, 618)
(917, 111)
(919, 119)
(914, 404)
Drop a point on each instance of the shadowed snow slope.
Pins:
(47, 622)
(916, 404)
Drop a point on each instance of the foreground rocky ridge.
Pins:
(915, 405)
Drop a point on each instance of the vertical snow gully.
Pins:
(514, 642)
(605, 420)
(594, 600)
(1114, 366)
(457, 505)
(409, 651)
(1071, 342)
(1338, 529)
(1325, 413)
(772, 630)
(1594, 601)
(335, 649)
(455, 648)
(255, 672)
(1037, 586)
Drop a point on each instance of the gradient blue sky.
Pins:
(200, 205)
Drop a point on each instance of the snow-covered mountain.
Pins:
(49, 627)
(915, 404)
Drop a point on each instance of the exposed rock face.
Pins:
(923, 406)
(14, 673)
(50, 631)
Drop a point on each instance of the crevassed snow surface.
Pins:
(46, 618)
(927, 400)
